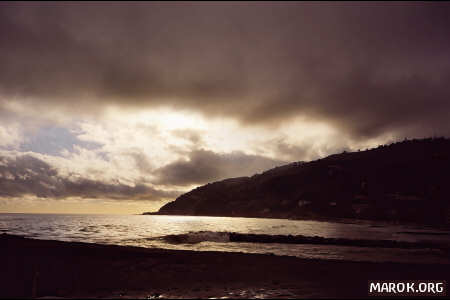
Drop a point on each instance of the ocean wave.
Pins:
(225, 237)
(197, 237)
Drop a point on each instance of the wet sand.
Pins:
(38, 268)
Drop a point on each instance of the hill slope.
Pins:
(406, 181)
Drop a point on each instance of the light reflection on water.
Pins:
(137, 230)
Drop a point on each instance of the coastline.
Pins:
(43, 268)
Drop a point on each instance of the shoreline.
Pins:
(39, 268)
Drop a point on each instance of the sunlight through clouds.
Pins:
(121, 104)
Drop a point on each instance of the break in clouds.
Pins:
(252, 86)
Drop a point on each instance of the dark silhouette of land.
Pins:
(405, 181)
(38, 268)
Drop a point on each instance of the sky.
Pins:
(121, 107)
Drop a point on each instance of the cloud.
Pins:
(204, 166)
(23, 174)
(27, 175)
(10, 135)
(193, 136)
(365, 69)
(293, 152)
(137, 101)
(141, 161)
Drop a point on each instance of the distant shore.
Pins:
(39, 268)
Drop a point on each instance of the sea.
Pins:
(213, 234)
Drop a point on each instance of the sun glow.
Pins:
(163, 118)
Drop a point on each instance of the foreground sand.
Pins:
(36, 268)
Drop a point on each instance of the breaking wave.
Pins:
(197, 237)
(225, 237)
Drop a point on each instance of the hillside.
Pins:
(404, 181)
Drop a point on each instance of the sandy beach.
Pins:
(41, 268)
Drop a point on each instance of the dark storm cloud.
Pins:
(366, 68)
(28, 175)
(206, 166)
